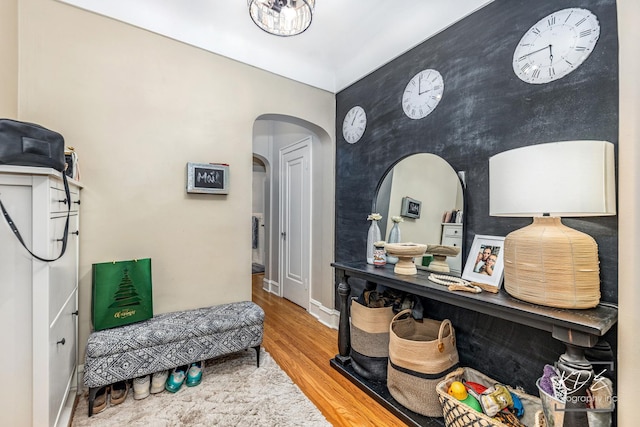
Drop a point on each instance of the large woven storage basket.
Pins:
(457, 414)
(421, 354)
(370, 340)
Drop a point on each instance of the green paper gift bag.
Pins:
(121, 293)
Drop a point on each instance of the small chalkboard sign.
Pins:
(208, 178)
(410, 207)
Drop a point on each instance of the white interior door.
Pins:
(295, 224)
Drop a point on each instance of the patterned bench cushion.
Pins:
(171, 339)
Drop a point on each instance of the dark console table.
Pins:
(577, 329)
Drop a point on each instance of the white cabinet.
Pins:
(38, 308)
(452, 236)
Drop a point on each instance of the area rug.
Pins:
(233, 392)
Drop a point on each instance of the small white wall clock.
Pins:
(422, 94)
(354, 124)
(556, 45)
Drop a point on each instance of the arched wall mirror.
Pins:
(430, 181)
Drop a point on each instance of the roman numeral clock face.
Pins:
(556, 45)
(422, 94)
(354, 124)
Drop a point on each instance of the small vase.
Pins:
(379, 257)
(372, 236)
(394, 237)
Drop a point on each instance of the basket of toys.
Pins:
(471, 399)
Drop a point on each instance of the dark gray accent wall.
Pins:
(486, 109)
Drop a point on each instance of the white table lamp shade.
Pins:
(547, 262)
(569, 178)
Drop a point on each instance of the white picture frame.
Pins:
(485, 263)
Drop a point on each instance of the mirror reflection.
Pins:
(421, 189)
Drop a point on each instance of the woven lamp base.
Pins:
(550, 264)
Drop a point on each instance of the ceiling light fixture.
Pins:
(282, 17)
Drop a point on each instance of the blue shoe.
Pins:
(194, 374)
(175, 380)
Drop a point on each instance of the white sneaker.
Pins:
(141, 387)
(158, 379)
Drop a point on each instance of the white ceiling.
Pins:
(346, 40)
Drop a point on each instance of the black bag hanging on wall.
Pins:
(28, 144)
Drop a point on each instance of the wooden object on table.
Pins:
(485, 287)
(405, 252)
(440, 254)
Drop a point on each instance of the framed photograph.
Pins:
(485, 263)
(410, 207)
(208, 178)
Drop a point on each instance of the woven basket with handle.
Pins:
(458, 414)
(421, 354)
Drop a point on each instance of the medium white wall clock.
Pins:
(556, 45)
(422, 94)
(354, 124)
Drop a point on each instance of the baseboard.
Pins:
(79, 377)
(271, 286)
(327, 316)
(66, 412)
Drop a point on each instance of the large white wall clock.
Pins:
(354, 124)
(556, 45)
(422, 94)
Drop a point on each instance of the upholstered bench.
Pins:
(170, 340)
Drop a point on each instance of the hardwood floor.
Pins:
(303, 347)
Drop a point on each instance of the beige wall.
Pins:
(137, 107)
(9, 55)
(629, 214)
